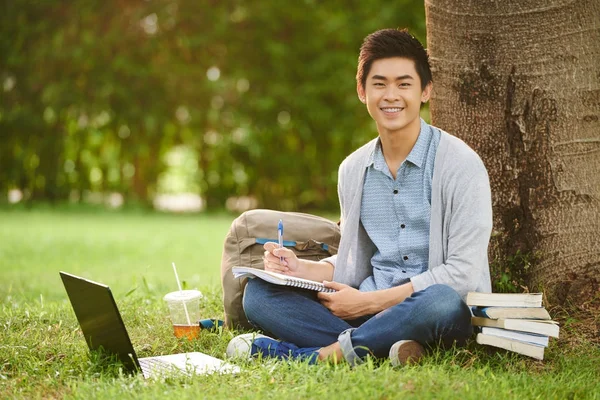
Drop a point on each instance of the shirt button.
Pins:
(395, 191)
(402, 226)
(405, 257)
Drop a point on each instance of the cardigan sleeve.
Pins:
(332, 260)
(467, 226)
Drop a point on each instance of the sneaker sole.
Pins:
(406, 352)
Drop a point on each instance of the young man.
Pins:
(416, 221)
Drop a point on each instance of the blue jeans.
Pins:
(435, 315)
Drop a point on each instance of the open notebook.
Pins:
(279, 279)
(103, 327)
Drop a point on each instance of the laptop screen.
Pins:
(99, 318)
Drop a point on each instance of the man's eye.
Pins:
(378, 84)
(405, 84)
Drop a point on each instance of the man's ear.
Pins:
(361, 93)
(426, 93)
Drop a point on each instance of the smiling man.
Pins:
(416, 221)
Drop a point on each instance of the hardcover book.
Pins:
(511, 312)
(516, 346)
(540, 327)
(504, 299)
(540, 340)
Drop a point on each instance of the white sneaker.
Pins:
(406, 352)
(241, 345)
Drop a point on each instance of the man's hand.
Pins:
(347, 303)
(284, 261)
(280, 260)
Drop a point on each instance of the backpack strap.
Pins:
(300, 246)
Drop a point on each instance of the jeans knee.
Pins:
(254, 297)
(446, 303)
(445, 294)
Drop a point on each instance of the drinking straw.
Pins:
(187, 316)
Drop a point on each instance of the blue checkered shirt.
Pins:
(396, 212)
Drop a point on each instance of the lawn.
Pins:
(43, 353)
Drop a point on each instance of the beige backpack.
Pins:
(309, 236)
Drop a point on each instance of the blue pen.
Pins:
(280, 237)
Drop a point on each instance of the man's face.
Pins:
(393, 95)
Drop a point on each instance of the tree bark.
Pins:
(519, 81)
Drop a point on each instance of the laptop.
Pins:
(103, 329)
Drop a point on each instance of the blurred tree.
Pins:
(81, 108)
(96, 92)
(519, 81)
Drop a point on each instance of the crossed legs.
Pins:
(431, 316)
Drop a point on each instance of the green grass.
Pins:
(43, 354)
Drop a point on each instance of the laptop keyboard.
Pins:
(155, 366)
(184, 363)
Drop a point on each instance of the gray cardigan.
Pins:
(460, 226)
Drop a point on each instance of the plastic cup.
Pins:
(184, 309)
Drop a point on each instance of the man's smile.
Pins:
(391, 110)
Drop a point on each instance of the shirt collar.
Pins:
(376, 155)
(416, 155)
(419, 150)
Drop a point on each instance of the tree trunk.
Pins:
(519, 81)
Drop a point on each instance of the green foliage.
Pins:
(509, 274)
(95, 93)
(44, 355)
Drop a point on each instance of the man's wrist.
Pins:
(382, 299)
(313, 270)
(374, 302)
(301, 270)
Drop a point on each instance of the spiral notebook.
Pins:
(279, 279)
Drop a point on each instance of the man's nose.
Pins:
(391, 93)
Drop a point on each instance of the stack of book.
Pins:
(512, 321)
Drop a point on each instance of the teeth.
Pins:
(391, 110)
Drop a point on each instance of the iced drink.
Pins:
(184, 309)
